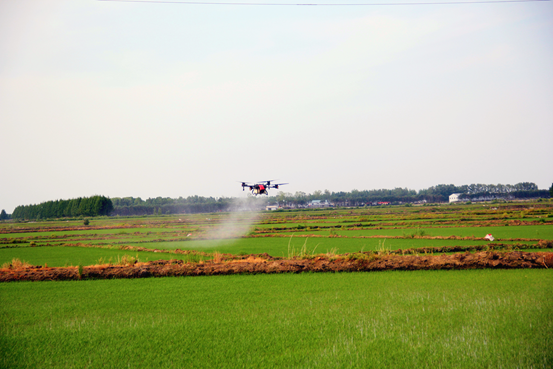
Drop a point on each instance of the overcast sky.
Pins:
(145, 100)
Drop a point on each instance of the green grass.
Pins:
(275, 246)
(532, 231)
(448, 319)
(158, 233)
(100, 232)
(278, 246)
(59, 256)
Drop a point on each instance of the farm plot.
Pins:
(461, 319)
(284, 233)
(284, 246)
(464, 229)
(450, 319)
(59, 256)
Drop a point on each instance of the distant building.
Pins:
(271, 207)
(318, 204)
(455, 197)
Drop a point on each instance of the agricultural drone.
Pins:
(261, 188)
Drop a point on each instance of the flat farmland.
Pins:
(58, 256)
(282, 233)
(282, 246)
(450, 319)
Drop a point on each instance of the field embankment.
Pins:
(266, 264)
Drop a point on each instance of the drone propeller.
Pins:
(245, 184)
(278, 184)
(267, 182)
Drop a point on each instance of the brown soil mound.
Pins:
(255, 264)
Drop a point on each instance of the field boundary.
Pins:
(265, 264)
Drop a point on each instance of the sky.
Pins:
(171, 99)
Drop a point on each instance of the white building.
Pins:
(319, 204)
(454, 197)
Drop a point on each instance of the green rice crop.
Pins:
(275, 246)
(446, 319)
(531, 231)
(59, 256)
(168, 232)
(81, 232)
(278, 246)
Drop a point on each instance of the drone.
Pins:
(261, 188)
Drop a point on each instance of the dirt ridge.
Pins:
(262, 263)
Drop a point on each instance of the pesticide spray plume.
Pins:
(236, 223)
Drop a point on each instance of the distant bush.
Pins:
(15, 264)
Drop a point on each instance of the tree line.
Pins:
(82, 206)
(165, 205)
(439, 193)
(129, 206)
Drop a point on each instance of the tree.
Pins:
(3, 215)
(102, 205)
(551, 191)
(87, 206)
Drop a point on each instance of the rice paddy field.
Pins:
(448, 319)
